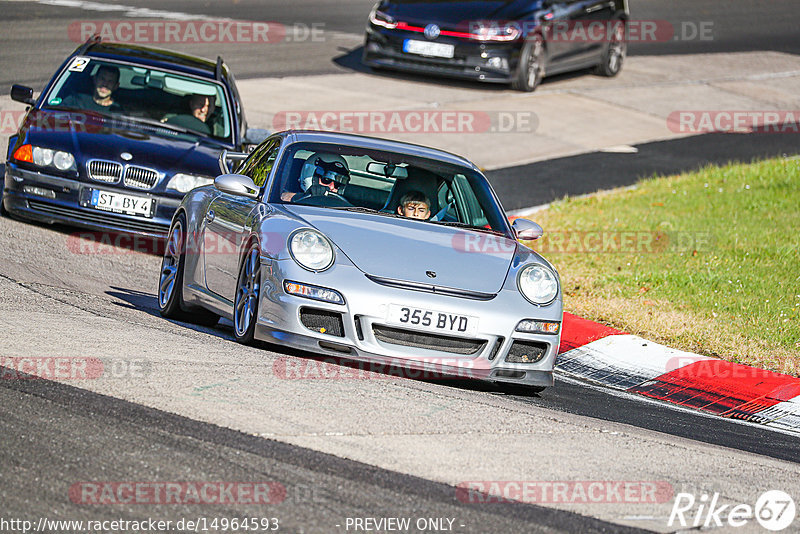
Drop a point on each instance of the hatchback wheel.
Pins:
(531, 65)
(614, 55)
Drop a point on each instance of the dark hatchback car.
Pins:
(114, 141)
(505, 41)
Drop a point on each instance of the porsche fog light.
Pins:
(183, 183)
(313, 292)
(538, 327)
(311, 250)
(538, 284)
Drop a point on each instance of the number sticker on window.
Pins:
(78, 64)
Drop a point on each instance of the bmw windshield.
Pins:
(170, 103)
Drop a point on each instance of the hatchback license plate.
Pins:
(424, 48)
(118, 203)
(432, 320)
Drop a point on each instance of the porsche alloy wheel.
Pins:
(614, 55)
(170, 283)
(531, 63)
(248, 290)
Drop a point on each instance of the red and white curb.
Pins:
(592, 352)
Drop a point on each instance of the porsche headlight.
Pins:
(538, 284)
(183, 183)
(311, 250)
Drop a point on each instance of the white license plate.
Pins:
(118, 203)
(424, 48)
(432, 320)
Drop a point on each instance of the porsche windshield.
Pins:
(143, 95)
(386, 183)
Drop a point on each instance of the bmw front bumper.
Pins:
(52, 199)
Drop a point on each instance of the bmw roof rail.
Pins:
(91, 41)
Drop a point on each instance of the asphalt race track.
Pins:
(209, 410)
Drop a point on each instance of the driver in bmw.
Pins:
(323, 175)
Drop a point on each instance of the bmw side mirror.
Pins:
(236, 184)
(527, 230)
(23, 94)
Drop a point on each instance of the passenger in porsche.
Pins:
(415, 205)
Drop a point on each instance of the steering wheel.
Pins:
(328, 200)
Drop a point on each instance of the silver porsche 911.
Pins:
(374, 250)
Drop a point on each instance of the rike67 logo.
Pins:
(774, 510)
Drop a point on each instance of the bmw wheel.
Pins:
(614, 55)
(170, 284)
(531, 65)
(248, 291)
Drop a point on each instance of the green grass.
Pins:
(731, 262)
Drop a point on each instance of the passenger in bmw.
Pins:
(200, 109)
(105, 82)
(415, 205)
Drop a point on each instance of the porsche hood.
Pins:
(413, 251)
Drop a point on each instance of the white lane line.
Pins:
(146, 13)
(128, 11)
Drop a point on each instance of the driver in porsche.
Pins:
(323, 174)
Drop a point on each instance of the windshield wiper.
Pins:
(72, 109)
(164, 125)
(362, 209)
(469, 227)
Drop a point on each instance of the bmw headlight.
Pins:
(63, 161)
(311, 250)
(183, 183)
(538, 284)
(47, 157)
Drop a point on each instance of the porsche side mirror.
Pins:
(527, 230)
(23, 94)
(236, 184)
